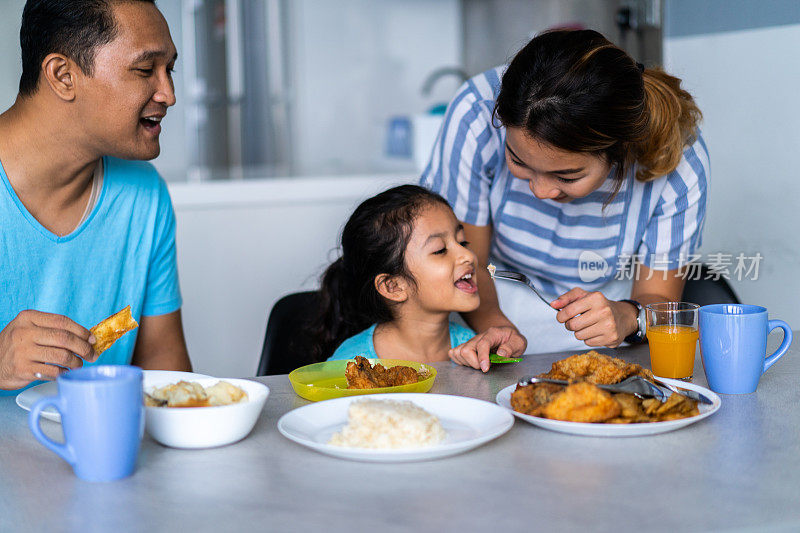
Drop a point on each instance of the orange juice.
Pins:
(672, 350)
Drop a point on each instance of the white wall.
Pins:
(354, 64)
(10, 61)
(174, 158)
(243, 245)
(746, 83)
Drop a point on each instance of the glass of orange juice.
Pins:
(672, 333)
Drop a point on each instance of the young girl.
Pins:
(405, 267)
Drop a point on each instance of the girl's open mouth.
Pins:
(467, 284)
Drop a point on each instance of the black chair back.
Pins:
(704, 291)
(286, 340)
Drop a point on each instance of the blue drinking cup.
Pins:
(733, 345)
(102, 416)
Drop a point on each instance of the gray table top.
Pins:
(737, 470)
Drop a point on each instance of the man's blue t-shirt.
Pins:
(361, 343)
(122, 254)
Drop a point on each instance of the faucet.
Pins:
(439, 73)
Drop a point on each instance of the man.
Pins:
(86, 230)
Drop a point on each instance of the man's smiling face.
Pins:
(121, 105)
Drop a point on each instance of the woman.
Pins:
(579, 169)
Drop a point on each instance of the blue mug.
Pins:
(102, 415)
(733, 345)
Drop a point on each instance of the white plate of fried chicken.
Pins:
(583, 409)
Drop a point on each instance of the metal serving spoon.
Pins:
(636, 385)
(633, 385)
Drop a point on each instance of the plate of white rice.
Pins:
(395, 427)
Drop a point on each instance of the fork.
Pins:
(515, 276)
(635, 385)
(692, 395)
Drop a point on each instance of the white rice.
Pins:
(388, 424)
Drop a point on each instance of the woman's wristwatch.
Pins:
(641, 320)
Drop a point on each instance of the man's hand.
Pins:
(595, 320)
(505, 341)
(38, 345)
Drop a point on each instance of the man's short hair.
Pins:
(74, 28)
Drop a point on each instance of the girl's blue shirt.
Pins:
(362, 343)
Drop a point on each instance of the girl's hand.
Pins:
(505, 341)
(602, 322)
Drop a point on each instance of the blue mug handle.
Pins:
(62, 450)
(787, 340)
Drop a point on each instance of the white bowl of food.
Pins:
(202, 413)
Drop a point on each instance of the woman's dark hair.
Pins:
(374, 242)
(74, 28)
(577, 91)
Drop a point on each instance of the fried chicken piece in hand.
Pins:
(582, 402)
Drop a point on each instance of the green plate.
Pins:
(325, 381)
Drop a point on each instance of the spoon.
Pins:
(515, 276)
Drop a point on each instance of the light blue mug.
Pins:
(733, 345)
(102, 416)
